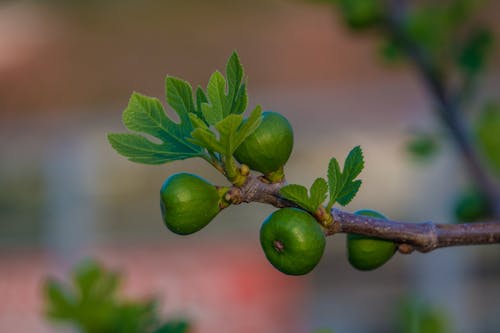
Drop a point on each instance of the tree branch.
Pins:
(447, 106)
(423, 237)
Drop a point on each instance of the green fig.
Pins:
(367, 253)
(292, 241)
(188, 203)
(268, 148)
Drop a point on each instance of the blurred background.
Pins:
(67, 69)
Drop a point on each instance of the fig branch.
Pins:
(423, 237)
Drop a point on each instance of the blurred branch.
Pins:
(423, 237)
(448, 104)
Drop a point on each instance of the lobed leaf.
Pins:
(146, 115)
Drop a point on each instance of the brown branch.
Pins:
(423, 237)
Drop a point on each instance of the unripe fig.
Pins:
(268, 148)
(367, 253)
(292, 241)
(188, 203)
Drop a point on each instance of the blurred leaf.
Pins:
(473, 55)
(417, 317)
(422, 146)
(488, 134)
(390, 51)
(471, 206)
(92, 303)
(361, 14)
(174, 327)
(428, 26)
(462, 10)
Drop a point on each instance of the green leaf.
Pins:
(473, 56)
(179, 326)
(145, 114)
(353, 164)
(205, 138)
(227, 129)
(197, 122)
(60, 302)
(217, 109)
(297, 194)
(342, 185)
(349, 192)
(248, 127)
(232, 132)
(180, 97)
(334, 176)
(221, 103)
(237, 95)
(319, 190)
(201, 98)
(422, 146)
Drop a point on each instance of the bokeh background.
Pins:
(67, 69)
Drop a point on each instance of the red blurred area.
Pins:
(219, 288)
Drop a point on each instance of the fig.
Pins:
(367, 253)
(188, 203)
(292, 241)
(268, 148)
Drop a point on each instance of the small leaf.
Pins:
(201, 98)
(297, 194)
(234, 74)
(248, 127)
(227, 129)
(217, 109)
(349, 192)
(334, 180)
(319, 190)
(205, 138)
(197, 122)
(353, 164)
